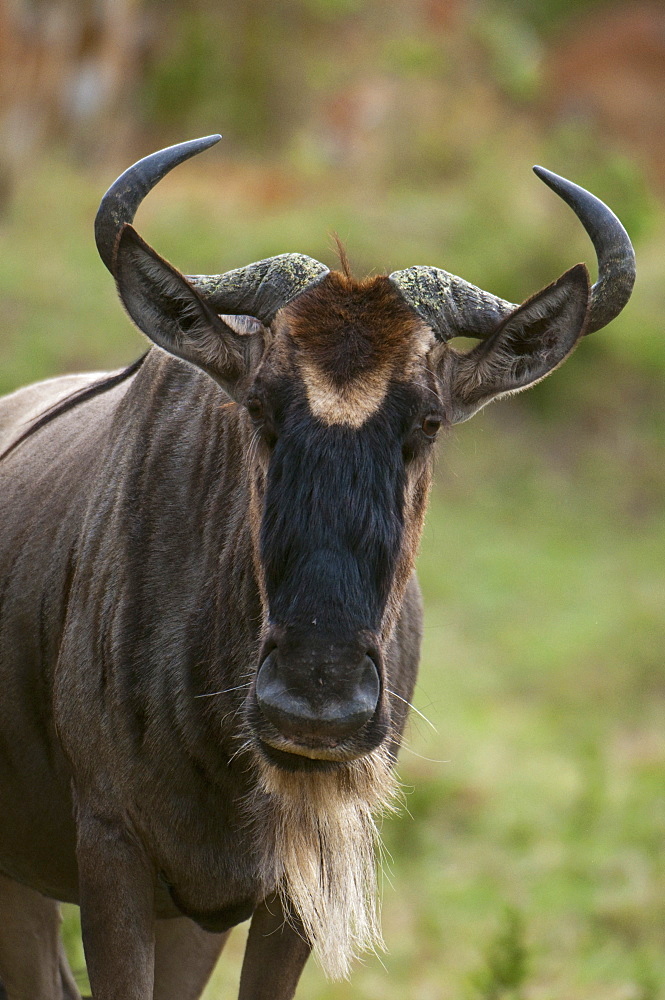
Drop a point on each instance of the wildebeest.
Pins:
(209, 618)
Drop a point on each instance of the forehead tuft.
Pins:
(348, 330)
(347, 339)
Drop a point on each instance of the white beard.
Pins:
(320, 850)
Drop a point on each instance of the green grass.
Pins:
(529, 861)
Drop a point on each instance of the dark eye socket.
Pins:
(430, 425)
(254, 407)
(263, 420)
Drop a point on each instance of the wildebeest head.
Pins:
(345, 385)
(342, 387)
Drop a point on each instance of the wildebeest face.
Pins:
(344, 381)
(345, 412)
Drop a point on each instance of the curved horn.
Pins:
(616, 257)
(121, 201)
(258, 290)
(454, 307)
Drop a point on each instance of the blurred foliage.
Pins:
(71, 933)
(513, 50)
(505, 968)
(410, 129)
(219, 68)
(547, 16)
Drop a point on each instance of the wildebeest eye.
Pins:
(262, 419)
(254, 407)
(430, 425)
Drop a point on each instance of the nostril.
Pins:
(270, 688)
(335, 710)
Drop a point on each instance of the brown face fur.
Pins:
(349, 340)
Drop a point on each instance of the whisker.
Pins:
(413, 707)
(429, 389)
(243, 747)
(232, 715)
(211, 694)
(431, 760)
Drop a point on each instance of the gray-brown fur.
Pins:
(209, 621)
(22, 408)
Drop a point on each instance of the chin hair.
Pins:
(319, 849)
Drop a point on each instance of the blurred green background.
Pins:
(529, 861)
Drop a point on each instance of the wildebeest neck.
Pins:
(170, 533)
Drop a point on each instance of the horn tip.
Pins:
(545, 175)
(565, 189)
(205, 142)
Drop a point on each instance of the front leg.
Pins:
(185, 956)
(116, 884)
(32, 959)
(275, 955)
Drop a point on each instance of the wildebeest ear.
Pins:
(167, 309)
(530, 343)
